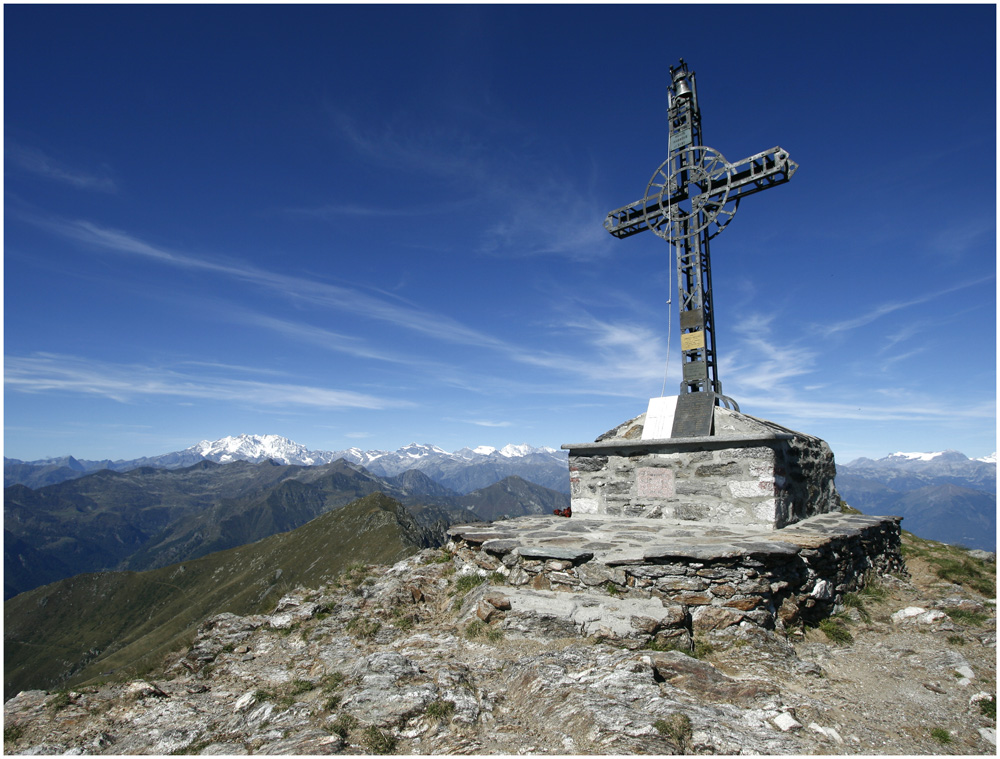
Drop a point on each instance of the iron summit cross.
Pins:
(690, 199)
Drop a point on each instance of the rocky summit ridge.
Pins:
(428, 656)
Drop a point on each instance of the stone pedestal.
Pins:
(751, 472)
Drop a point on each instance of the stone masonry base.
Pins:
(642, 580)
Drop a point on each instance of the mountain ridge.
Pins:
(544, 466)
(942, 495)
(148, 517)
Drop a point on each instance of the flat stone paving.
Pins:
(621, 541)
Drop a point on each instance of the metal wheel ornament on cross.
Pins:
(691, 190)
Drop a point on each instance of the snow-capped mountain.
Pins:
(468, 469)
(914, 456)
(464, 471)
(943, 495)
(533, 464)
(257, 448)
(916, 469)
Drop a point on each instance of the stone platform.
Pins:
(749, 472)
(664, 579)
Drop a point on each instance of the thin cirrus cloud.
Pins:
(340, 210)
(622, 349)
(540, 210)
(36, 162)
(888, 308)
(297, 288)
(127, 383)
(889, 407)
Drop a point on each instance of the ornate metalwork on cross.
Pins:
(690, 199)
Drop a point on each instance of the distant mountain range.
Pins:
(147, 517)
(943, 496)
(462, 471)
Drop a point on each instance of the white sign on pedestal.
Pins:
(659, 418)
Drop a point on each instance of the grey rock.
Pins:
(555, 552)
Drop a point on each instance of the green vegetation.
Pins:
(333, 681)
(440, 709)
(494, 634)
(343, 725)
(967, 617)
(657, 644)
(12, 733)
(285, 696)
(702, 648)
(941, 735)
(988, 707)
(699, 648)
(192, 749)
(854, 601)
(465, 583)
(676, 727)
(475, 629)
(835, 631)
(952, 564)
(59, 700)
(402, 623)
(497, 578)
(874, 588)
(362, 627)
(611, 589)
(442, 557)
(378, 741)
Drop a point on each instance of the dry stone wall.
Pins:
(686, 589)
(751, 472)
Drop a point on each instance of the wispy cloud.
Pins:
(388, 308)
(759, 360)
(623, 349)
(540, 209)
(540, 222)
(127, 383)
(36, 162)
(317, 336)
(439, 150)
(888, 408)
(483, 422)
(888, 308)
(355, 210)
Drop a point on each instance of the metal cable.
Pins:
(670, 288)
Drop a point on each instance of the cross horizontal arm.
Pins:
(758, 172)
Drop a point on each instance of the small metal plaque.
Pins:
(693, 318)
(680, 139)
(695, 370)
(693, 341)
(694, 415)
(655, 482)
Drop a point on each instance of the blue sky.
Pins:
(371, 225)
